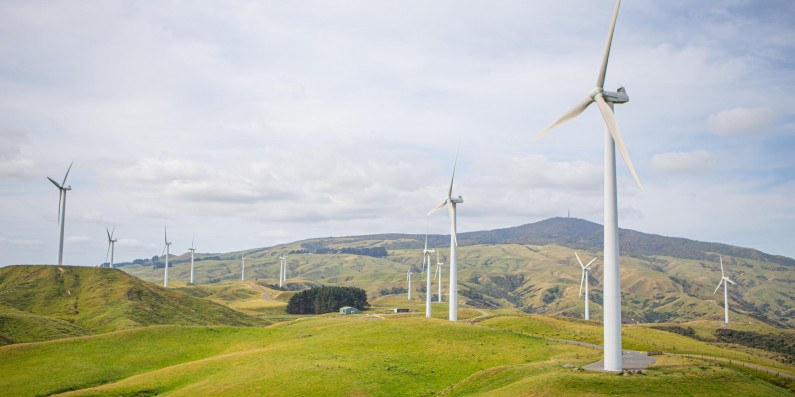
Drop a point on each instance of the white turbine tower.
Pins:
(426, 253)
(451, 202)
(584, 281)
(438, 273)
(62, 189)
(281, 270)
(243, 264)
(612, 282)
(724, 280)
(284, 272)
(111, 246)
(192, 250)
(408, 277)
(165, 249)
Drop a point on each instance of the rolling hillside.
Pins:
(532, 268)
(367, 355)
(49, 302)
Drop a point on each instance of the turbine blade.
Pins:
(192, 241)
(54, 183)
(600, 81)
(578, 259)
(107, 253)
(582, 281)
(450, 190)
(112, 232)
(67, 174)
(165, 234)
(721, 267)
(438, 207)
(718, 287)
(426, 241)
(727, 279)
(108, 231)
(589, 263)
(451, 211)
(572, 113)
(612, 126)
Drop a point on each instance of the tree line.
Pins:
(326, 299)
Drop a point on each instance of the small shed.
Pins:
(349, 310)
(398, 310)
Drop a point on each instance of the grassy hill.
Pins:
(527, 268)
(52, 301)
(357, 356)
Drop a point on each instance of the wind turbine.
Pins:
(62, 189)
(408, 277)
(439, 273)
(584, 280)
(243, 264)
(284, 272)
(724, 280)
(451, 202)
(111, 245)
(165, 249)
(281, 270)
(192, 250)
(612, 273)
(427, 259)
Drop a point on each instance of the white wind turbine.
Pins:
(192, 250)
(243, 264)
(426, 253)
(724, 280)
(165, 249)
(584, 281)
(438, 273)
(408, 277)
(111, 246)
(284, 272)
(62, 189)
(612, 282)
(281, 270)
(451, 202)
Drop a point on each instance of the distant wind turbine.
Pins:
(111, 246)
(165, 249)
(584, 281)
(451, 202)
(192, 250)
(612, 273)
(284, 272)
(408, 277)
(724, 280)
(281, 270)
(439, 273)
(243, 264)
(426, 253)
(62, 189)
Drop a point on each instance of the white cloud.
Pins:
(77, 239)
(741, 120)
(682, 162)
(16, 241)
(537, 171)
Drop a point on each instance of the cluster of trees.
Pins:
(325, 299)
(377, 252)
(552, 294)
(394, 290)
(770, 342)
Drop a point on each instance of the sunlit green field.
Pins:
(335, 355)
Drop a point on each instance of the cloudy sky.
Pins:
(257, 123)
